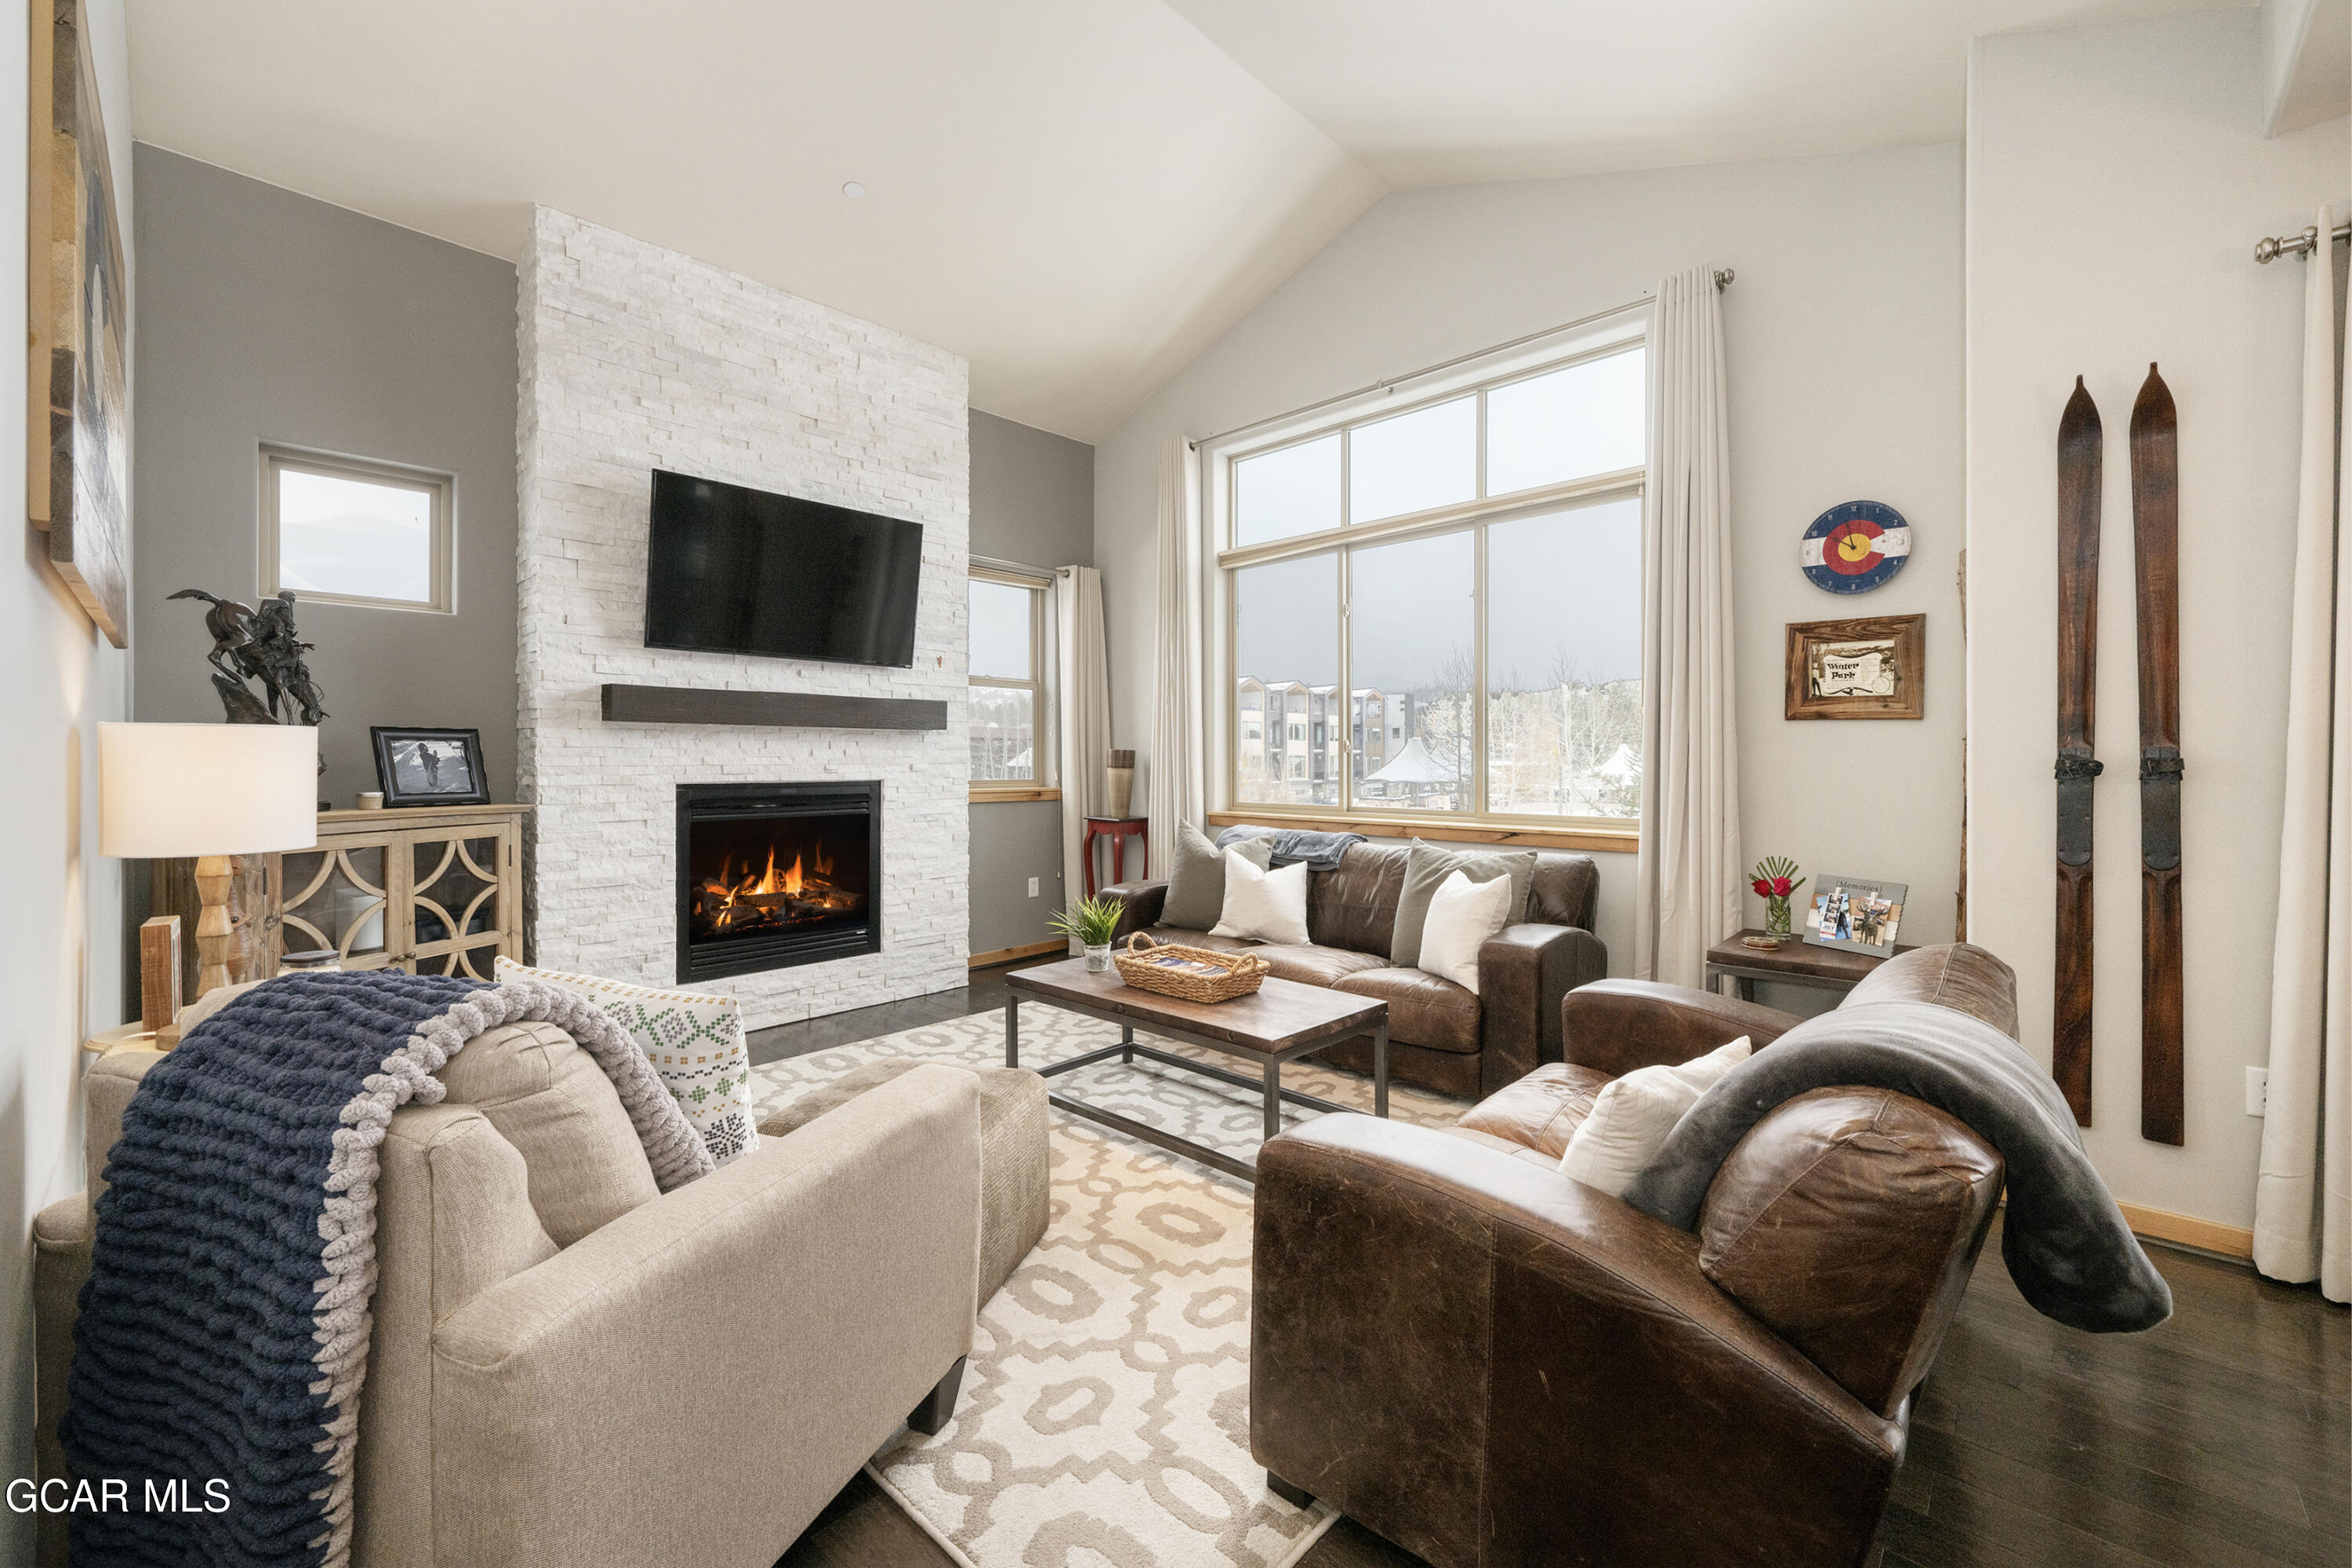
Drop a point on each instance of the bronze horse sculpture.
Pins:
(251, 644)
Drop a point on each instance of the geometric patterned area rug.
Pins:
(1104, 1421)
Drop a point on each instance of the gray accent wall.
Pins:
(267, 316)
(1032, 501)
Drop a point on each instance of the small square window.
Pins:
(352, 531)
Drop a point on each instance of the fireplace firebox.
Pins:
(771, 875)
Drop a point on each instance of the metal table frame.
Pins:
(1128, 1049)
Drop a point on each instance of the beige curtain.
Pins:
(1082, 680)
(2302, 1191)
(1688, 884)
(1174, 766)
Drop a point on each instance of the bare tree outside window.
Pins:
(1478, 652)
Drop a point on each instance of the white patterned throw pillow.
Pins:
(1632, 1115)
(694, 1041)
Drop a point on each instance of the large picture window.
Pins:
(1434, 612)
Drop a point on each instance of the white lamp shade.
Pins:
(171, 790)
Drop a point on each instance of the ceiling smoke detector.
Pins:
(853, 190)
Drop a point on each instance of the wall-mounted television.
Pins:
(734, 570)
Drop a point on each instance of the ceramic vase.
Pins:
(1118, 785)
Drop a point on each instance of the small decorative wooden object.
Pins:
(252, 950)
(158, 978)
(213, 875)
(1872, 668)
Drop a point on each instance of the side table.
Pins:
(132, 1037)
(1793, 964)
(1119, 830)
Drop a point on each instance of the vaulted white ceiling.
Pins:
(1511, 89)
(1078, 195)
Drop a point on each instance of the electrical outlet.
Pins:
(1032, 887)
(2258, 1090)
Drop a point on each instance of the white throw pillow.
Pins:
(694, 1041)
(1632, 1116)
(1462, 915)
(1268, 905)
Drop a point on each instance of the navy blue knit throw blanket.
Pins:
(224, 1331)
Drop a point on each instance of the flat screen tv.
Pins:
(734, 570)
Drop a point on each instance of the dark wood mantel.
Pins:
(774, 710)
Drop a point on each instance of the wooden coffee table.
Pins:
(1283, 1020)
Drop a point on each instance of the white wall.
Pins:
(1844, 341)
(60, 945)
(634, 358)
(2118, 181)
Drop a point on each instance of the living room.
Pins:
(1249, 784)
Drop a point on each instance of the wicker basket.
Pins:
(1238, 973)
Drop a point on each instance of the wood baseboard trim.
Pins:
(1007, 954)
(2187, 1230)
(1586, 839)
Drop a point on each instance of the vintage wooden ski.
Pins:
(2081, 450)
(2155, 553)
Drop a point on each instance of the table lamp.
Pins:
(210, 791)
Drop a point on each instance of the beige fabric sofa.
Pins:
(569, 1366)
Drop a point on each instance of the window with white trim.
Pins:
(1007, 683)
(1432, 600)
(351, 530)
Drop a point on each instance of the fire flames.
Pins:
(765, 897)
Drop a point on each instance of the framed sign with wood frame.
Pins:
(78, 456)
(1873, 668)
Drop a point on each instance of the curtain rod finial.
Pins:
(1723, 277)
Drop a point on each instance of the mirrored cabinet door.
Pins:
(432, 891)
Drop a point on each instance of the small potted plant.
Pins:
(1094, 921)
(1772, 884)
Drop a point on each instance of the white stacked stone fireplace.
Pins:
(634, 358)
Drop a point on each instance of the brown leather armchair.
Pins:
(1490, 1363)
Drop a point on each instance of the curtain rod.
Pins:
(1723, 280)
(2269, 250)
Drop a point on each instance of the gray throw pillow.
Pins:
(1196, 887)
(1427, 866)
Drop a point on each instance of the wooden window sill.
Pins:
(985, 796)
(1603, 841)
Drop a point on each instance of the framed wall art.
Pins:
(78, 448)
(430, 767)
(1875, 667)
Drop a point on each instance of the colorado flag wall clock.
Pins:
(1854, 546)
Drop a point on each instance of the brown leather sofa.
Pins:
(1441, 1036)
(1490, 1363)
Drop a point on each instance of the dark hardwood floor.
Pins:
(984, 993)
(2223, 1440)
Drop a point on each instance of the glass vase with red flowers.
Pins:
(1775, 880)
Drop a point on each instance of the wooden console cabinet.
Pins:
(431, 890)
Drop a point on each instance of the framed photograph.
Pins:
(78, 447)
(1855, 914)
(430, 767)
(1875, 667)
